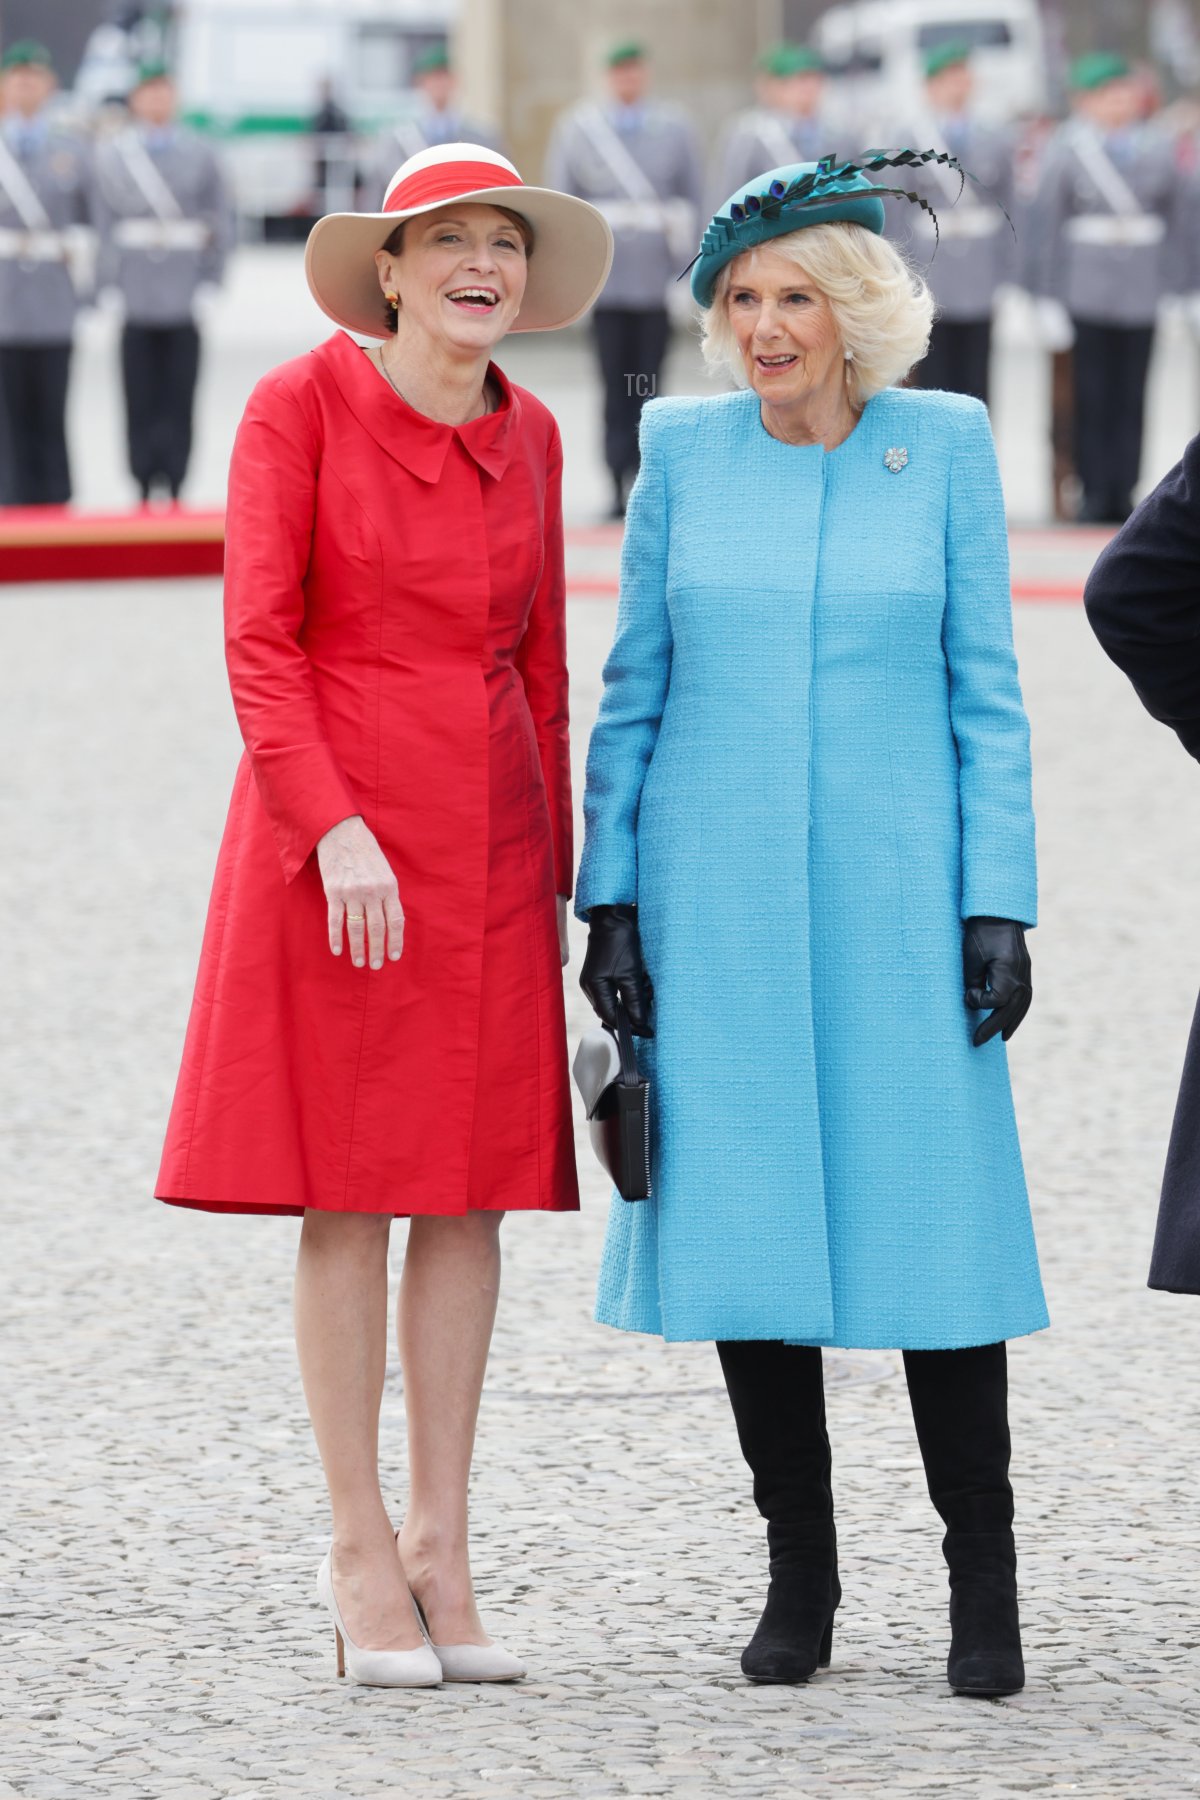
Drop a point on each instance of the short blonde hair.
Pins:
(882, 308)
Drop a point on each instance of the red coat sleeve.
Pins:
(542, 661)
(268, 532)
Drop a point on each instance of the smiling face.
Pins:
(785, 329)
(460, 274)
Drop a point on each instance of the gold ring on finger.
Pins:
(355, 918)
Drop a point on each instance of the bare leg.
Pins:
(341, 1336)
(447, 1308)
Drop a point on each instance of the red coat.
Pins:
(396, 643)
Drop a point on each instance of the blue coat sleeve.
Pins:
(987, 715)
(636, 678)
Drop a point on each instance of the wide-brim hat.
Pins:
(568, 264)
(778, 202)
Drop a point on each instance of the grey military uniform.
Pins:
(1110, 224)
(424, 131)
(44, 182)
(656, 221)
(164, 230)
(762, 139)
(974, 249)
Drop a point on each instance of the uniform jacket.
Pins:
(38, 303)
(762, 138)
(158, 282)
(1104, 282)
(975, 248)
(395, 636)
(666, 149)
(1143, 601)
(811, 764)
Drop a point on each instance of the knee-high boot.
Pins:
(960, 1406)
(778, 1398)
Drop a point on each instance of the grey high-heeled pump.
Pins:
(376, 1668)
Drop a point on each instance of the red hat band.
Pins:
(447, 181)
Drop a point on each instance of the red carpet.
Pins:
(55, 543)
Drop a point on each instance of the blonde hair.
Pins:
(882, 308)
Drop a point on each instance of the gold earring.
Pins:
(393, 301)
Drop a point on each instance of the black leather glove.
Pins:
(997, 974)
(613, 965)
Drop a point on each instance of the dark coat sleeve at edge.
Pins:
(1143, 600)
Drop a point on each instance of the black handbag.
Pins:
(617, 1099)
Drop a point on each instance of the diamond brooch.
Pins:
(895, 460)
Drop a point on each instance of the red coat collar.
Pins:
(414, 440)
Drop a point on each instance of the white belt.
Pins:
(32, 246)
(633, 215)
(968, 222)
(1123, 229)
(161, 234)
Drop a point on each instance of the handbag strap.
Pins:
(630, 1076)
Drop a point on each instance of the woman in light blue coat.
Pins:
(809, 837)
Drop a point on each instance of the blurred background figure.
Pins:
(166, 224)
(974, 249)
(438, 119)
(335, 176)
(44, 180)
(640, 163)
(789, 124)
(1110, 234)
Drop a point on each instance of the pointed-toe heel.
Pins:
(471, 1662)
(374, 1668)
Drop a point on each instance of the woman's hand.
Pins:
(564, 948)
(362, 894)
(997, 974)
(613, 965)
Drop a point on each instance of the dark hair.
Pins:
(395, 247)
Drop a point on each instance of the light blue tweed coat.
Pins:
(811, 763)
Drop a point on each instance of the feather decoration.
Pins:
(820, 186)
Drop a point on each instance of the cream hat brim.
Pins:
(568, 266)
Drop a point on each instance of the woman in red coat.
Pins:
(395, 634)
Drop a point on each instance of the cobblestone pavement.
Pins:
(163, 1514)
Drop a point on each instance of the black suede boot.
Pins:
(778, 1397)
(960, 1406)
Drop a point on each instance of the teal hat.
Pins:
(431, 60)
(950, 54)
(152, 71)
(628, 51)
(26, 53)
(782, 60)
(1092, 71)
(780, 201)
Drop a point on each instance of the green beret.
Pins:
(152, 71)
(26, 53)
(431, 60)
(629, 51)
(948, 55)
(790, 59)
(1092, 71)
(754, 214)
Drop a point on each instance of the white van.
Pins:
(876, 52)
(250, 75)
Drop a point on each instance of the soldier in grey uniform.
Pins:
(639, 162)
(791, 122)
(1109, 237)
(166, 224)
(976, 248)
(438, 120)
(44, 178)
